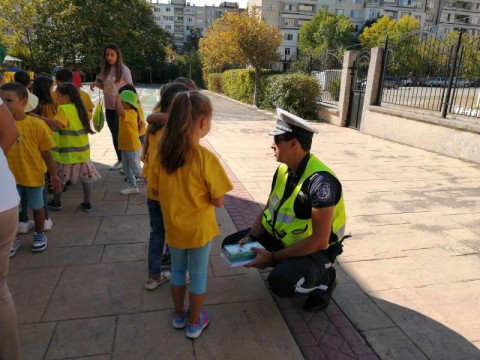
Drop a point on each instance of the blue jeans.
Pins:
(157, 237)
(23, 213)
(131, 166)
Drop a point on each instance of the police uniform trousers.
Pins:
(306, 275)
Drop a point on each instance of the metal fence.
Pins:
(439, 74)
(327, 69)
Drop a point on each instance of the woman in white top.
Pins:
(113, 75)
(9, 199)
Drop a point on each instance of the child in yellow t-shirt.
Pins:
(128, 139)
(142, 128)
(29, 158)
(190, 183)
(65, 75)
(158, 259)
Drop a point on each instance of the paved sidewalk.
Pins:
(409, 278)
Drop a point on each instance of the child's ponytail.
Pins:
(73, 93)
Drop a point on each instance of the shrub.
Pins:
(296, 93)
(239, 84)
(333, 88)
(214, 82)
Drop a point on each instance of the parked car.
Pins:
(391, 82)
(405, 81)
(436, 81)
(462, 82)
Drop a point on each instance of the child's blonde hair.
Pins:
(186, 110)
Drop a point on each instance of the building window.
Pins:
(289, 22)
(167, 9)
(356, 1)
(287, 51)
(190, 19)
(405, 2)
(288, 7)
(356, 14)
(431, 5)
(168, 27)
(288, 36)
(339, 11)
(374, 14)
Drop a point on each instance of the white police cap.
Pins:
(288, 123)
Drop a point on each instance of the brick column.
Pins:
(374, 78)
(345, 85)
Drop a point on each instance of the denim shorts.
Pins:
(34, 196)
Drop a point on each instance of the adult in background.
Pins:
(302, 226)
(113, 75)
(9, 348)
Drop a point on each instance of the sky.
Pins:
(242, 3)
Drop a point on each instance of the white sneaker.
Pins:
(117, 166)
(16, 245)
(48, 225)
(130, 190)
(25, 227)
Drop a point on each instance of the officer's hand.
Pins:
(262, 260)
(244, 240)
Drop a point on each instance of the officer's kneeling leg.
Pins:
(299, 276)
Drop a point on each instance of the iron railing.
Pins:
(327, 69)
(424, 71)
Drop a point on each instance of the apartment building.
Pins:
(460, 14)
(178, 17)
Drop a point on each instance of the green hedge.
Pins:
(214, 82)
(296, 93)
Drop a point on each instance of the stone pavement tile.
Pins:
(105, 208)
(86, 337)
(31, 290)
(86, 291)
(79, 232)
(67, 256)
(393, 344)
(99, 357)
(124, 252)
(34, 339)
(436, 340)
(137, 209)
(23, 257)
(151, 336)
(123, 229)
(249, 327)
(362, 311)
(240, 288)
(76, 191)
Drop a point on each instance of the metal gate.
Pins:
(357, 93)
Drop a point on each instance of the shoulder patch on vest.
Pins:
(323, 191)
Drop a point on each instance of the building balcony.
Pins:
(458, 5)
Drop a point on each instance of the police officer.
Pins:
(302, 226)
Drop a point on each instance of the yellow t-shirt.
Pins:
(25, 158)
(48, 110)
(141, 119)
(128, 132)
(87, 101)
(151, 162)
(185, 198)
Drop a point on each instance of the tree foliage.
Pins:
(191, 43)
(50, 32)
(240, 38)
(375, 35)
(326, 31)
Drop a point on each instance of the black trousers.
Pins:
(292, 277)
(113, 124)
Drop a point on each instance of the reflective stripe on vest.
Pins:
(72, 145)
(279, 217)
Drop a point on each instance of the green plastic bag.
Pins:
(98, 116)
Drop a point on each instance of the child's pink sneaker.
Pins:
(194, 330)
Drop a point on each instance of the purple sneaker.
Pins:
(194, 330)
(180, 320)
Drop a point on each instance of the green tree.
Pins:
(326, 31)
(191, 44)
(240, 38)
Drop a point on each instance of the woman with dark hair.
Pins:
(113, 75)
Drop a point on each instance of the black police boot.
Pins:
(319, 302)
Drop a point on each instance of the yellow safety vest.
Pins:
(71, 143)
(279, 218)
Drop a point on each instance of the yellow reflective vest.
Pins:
(71, 143)
(279, 218)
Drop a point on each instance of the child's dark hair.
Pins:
(105, 66)
(73, 93)
(64, 75)
(19, 89)
(41, 88)
(127, 87)
(188, 82)
(22, 77)
(168, 93)
(187, 109)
